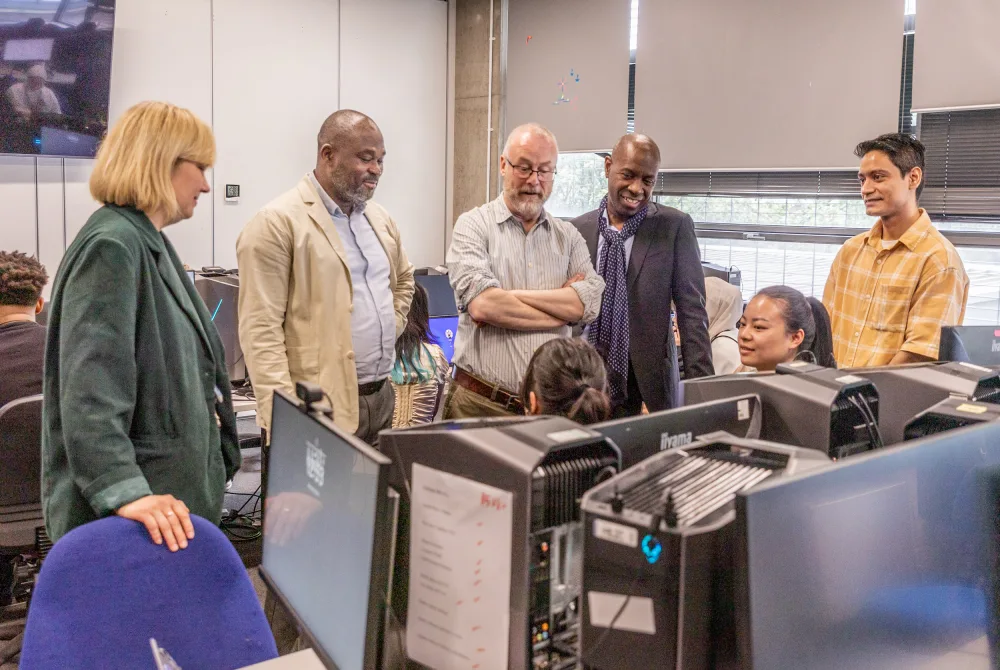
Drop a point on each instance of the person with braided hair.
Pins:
(566, 377)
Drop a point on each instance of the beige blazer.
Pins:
(296, 299)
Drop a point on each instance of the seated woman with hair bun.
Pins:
(566, 377)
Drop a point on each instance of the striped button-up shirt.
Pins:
(489, 249)
(886, 300)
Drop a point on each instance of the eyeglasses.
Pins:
(525, 171)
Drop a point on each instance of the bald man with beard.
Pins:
(648, 256)
(325, 285)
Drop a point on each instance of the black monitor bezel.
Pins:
(381, 542)
(901, 454)
(613, 430)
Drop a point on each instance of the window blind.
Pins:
(567, 68)
(962, 164)
(804, 184)
(766, 84)
(956, 60)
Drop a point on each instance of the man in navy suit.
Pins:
(648, 257)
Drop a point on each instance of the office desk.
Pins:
(243, 404)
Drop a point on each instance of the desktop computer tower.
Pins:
(533, 469)
(906, 390)
(949, 414)
(824, 408)
(658, 554)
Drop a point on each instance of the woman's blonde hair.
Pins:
(135, 162)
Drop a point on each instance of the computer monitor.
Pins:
(58, 142)
(327, 535)
(731, 275)
(443, 310)
(971, 344)
(440, 296)
(880, 561)
(640, 437)
(443, 330)
(822, 408)
(221, 295)
(907, 390)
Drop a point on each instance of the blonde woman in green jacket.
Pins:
(137, 417)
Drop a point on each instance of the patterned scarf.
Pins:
(609, 333)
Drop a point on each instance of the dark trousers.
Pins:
(632, 404)
(375, 413)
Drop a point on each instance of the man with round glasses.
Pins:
(521, 278)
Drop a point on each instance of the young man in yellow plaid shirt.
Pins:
(892, 288)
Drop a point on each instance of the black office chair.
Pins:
(22, 528)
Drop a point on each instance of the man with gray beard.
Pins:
(521, 278)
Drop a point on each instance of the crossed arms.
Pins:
(479, 291)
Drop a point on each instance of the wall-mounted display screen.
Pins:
(55, 75)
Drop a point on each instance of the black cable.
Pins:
(873, 435)
(871, 415)
(867, 421)
(866, 410)
(670, 514)
(611, 625)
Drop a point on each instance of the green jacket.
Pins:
(133, 363)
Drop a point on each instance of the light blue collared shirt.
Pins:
(373, 319)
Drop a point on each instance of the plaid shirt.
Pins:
(883, 301)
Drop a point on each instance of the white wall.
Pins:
(276, 80)
(265, 79)
(404, 88)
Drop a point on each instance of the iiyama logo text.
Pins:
(668, 441)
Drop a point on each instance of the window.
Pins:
(579, 186)
(805, 266)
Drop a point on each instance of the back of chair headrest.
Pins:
(21, 451)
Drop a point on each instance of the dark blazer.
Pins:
(132, 364)
(664, 266)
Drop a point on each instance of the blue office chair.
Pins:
(106, 589)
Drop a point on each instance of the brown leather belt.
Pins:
(492, 392)
(371, 387)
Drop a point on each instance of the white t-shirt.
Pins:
(25, 101)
